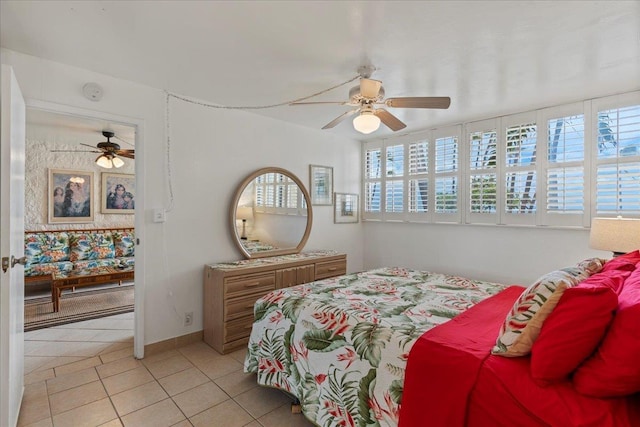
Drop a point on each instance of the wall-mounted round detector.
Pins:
(92, 91)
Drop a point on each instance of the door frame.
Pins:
(138, 124)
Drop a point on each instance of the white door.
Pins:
(12, 142)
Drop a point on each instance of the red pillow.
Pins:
(614, 370)
(612, 278)
(572, 332)
(623, 262)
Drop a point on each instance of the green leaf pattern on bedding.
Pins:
(341, 345)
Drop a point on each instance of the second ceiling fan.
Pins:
(109, 152)
(371, 93)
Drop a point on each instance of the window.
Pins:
(446, 174)
(565, 159)
(419, 177)
(558, 166)
(276, 193)
(618, 164)
(520, 178)
(394, 201)
(373, 180)
(483, 158)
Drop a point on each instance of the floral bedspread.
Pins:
(341, 345)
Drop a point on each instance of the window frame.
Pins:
(542, 217)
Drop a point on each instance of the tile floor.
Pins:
(84, 374)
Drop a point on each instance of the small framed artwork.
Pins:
(346, 209)
(118, 193)
(70, 196)
(321, 184)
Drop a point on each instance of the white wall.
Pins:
(212, 151)
(509, 255)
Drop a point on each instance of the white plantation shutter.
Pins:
(446, 175)
(520, 185)
(483, 193)
(565, 190)
(419, 177)
(394, 196)
(557, 166)
(483, 182)
(419, 195)
(564, 180)
(618, 169)
(447, 194)
(372, 193)
(618, 189)
(373, 182)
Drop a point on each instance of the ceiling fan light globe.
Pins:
(366, 123)
(117, 162)
(104, 162)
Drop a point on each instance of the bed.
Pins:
(341, 345)
(395, 346)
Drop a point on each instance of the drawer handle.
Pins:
(252, 285)
(332, 269)
(248, 306)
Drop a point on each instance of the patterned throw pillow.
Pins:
(124, 242)
(90, 246)
(522, 325)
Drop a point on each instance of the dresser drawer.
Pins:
(251, 283)
(237, 329)
(330, 269)
(240, 307)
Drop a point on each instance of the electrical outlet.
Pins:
(188, 318)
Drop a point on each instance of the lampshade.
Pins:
(244, 212)
(108, 161)
(619, 235)
(366, 122)
(117, 162)
(104, 162)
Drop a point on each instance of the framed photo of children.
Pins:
(346, 208)
(118, 193)
(70, 196)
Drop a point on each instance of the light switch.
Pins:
(159, 215)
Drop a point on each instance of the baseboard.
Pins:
(172, 343)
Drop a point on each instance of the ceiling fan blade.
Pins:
(370, 88)
(419, 102)
(320, 103)
(391, 121)
(87, 145)
(126, 153)
(340, 118)
(73, 151)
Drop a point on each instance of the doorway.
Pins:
(65, 138)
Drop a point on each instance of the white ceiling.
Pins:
(490, 57)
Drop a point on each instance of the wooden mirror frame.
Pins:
(234, 205)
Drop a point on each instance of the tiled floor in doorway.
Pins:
(84, 374)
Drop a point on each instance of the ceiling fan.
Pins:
(371, 93)
(109, 152)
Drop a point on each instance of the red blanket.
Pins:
(451, 380)
(444, 363)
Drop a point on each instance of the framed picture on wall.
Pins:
(346, 208)
(118, 193)
(70, 196)
(321, 184)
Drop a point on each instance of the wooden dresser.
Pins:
(231, 289)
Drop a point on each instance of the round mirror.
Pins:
(270, 214)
